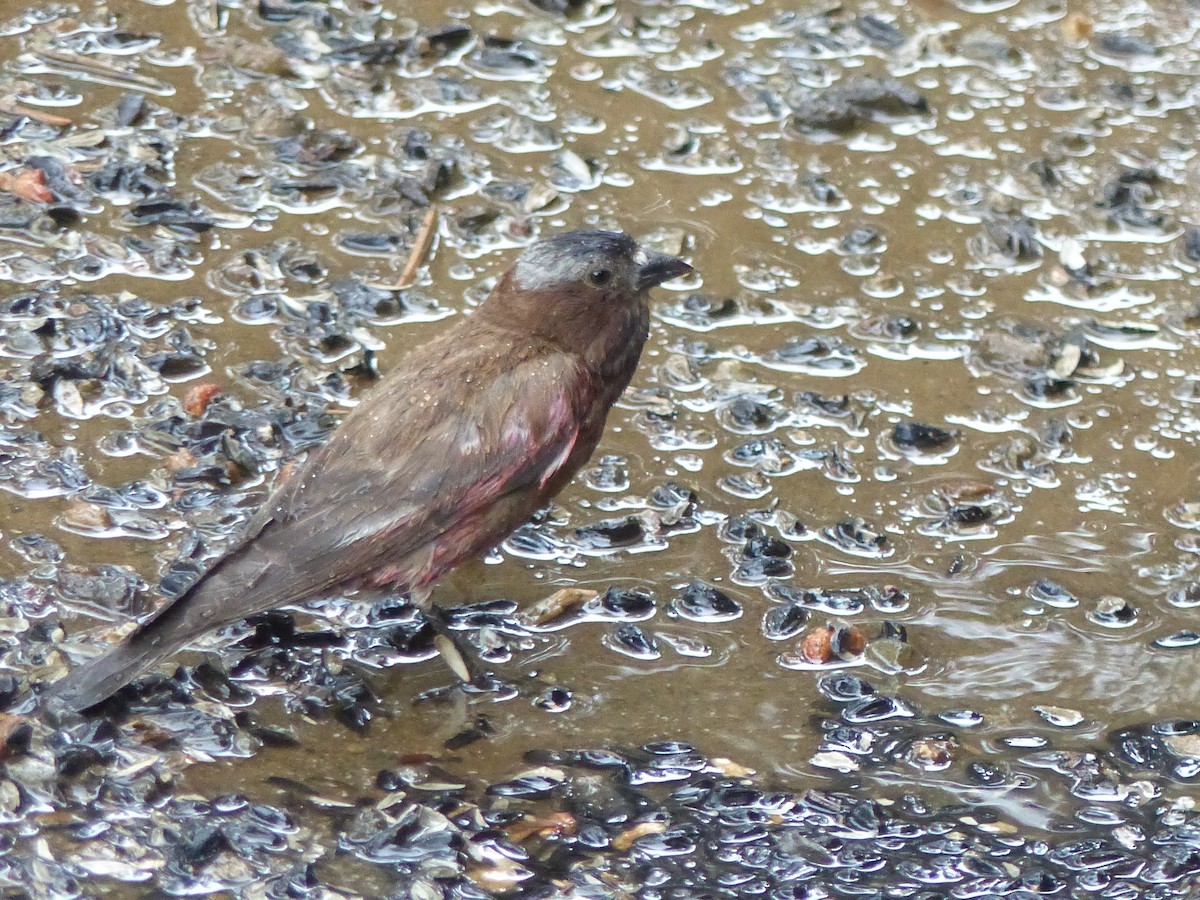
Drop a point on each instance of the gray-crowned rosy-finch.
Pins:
(471, 434)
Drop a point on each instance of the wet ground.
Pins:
(890, 552)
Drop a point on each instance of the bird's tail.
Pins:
(236, 586)
(99, 678)
(177, 624)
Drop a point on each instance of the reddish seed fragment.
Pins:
(198, 398)
(28, 184)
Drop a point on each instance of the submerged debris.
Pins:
(843, 107)
(925, 415)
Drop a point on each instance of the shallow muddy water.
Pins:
(894, 536)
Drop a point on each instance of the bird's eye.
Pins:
(599, 277)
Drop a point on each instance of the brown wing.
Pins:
(416, 458)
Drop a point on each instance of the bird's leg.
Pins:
(458, 657)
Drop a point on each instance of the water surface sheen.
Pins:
(895, 531)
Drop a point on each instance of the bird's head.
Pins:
(578, 286)
(607, 265)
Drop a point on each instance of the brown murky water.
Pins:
(1004, 255)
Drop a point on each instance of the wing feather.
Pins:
(413, 467)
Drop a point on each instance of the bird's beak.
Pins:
(655, 268)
